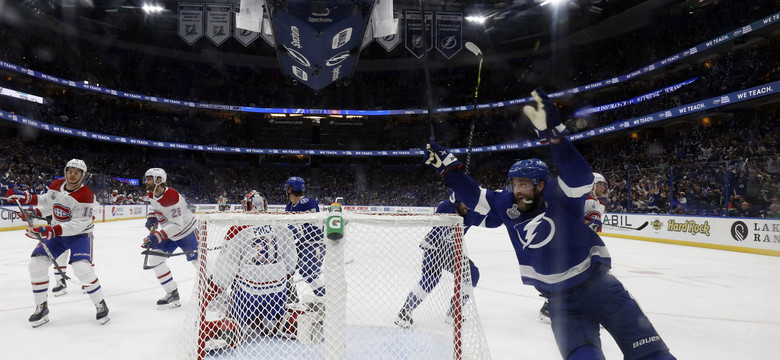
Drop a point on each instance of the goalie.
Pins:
(247, 289)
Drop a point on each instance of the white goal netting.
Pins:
(271, 286)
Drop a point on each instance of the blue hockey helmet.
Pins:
(531, 169)
(297, 183)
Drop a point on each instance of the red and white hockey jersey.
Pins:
(174, 218)
(71, 211)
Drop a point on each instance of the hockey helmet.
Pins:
(597, 178)
(78, 164)
(254, 201)
(297, 183)
(534, 169)
(156, 173)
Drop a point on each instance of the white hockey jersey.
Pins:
(258, 258)
(71, 211)
(174, 218)
(594, 209)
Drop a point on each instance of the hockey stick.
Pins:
(640, 227)
(474, 49)
(46, 248)
(148, 252)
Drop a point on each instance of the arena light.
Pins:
(476, 19)
(553, 2)
(152, 8)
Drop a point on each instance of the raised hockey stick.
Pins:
(640, 227)
(474, 49)
(46, 248)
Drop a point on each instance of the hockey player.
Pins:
(253, 268)
(115, 196)
(558, 254)
(310, 239)
(254, 201)
(72, 205)
(437, 257)
(172, 225)
(594, 213)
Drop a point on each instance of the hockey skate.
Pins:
(169, 301)
(61, 288)
(40, 316)
(404, 320)
(102, 312)
(544, 313)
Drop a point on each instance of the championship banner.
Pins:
(449, 33)
(389, 42)
(368, 37)
(267, 34)
(190, 22)
(245, 37)
(219, 22)
(413, 36)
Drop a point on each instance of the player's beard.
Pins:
(527, 204)
(149, 186)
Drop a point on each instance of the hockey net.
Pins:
(237, 312)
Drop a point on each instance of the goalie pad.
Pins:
(221, 334)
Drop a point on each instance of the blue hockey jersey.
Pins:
(554, 248)
(307, 232)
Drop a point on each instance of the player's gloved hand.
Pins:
(154, 238)
(595, 224)
(28, 214)
(23, 197)
(151, 223)
(45, 232)
(441, 159)
(545, 117)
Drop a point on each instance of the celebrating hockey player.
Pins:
(594, 213)
(71, 204)
(558, 254)
(172, 225)
(438, 256)
(310, 239)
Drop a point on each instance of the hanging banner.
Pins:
(368, 37)
(413, 35)
(219, 22)
(244, 36)
(389, 42)
(267, 33)
(449, 33)
(190, 22)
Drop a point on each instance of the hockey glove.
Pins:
(151, 223)
(154, 238)
(44, 232)
(595, 224)
(28, 214)
(545, 117)
(441, 159)
(23, 197)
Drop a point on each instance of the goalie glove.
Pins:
(441, 159)
(545, 117)
(23, 197)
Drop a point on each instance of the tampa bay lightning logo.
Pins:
(537, 232)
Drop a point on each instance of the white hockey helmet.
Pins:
(156, 173)
(78, 164)
(597, 178)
